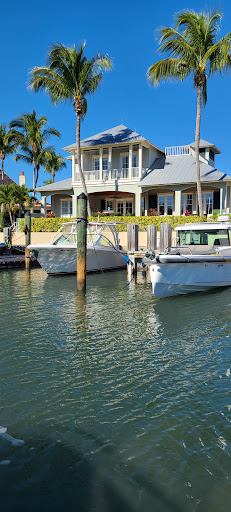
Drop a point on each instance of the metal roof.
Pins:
(205, 144)
(180, 170)
(5, 179)
(59, 185)
(118, 135)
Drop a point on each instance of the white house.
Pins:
(126, 173)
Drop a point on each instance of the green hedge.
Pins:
(53, 224)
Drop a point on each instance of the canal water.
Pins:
(113, 401)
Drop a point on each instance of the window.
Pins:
(125, 162)
(188, 202)
(134, 160)
(120, 207)
(66, 207)
(169, 205)
(96, 164)
(105, 164)
(201, 237)
(209, 202)
(109, 205)
(211, 154)
(161, 205)
(129, 207)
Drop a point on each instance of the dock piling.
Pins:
(81, 241)
(27, 239)
(165, 236)
(151, 238)
(132, 237)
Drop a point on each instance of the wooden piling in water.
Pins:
(151, 238)
(27, 239)
(165, 236)
(81, 241)
(132, 237)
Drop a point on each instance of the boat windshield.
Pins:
(220, 237)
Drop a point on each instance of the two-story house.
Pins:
(126, 173)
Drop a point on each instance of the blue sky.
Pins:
(126, 30)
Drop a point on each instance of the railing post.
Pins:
(81, 241)
(7, 239)
(165, 236)
(151, 238)
(27, 238)
(132, 237)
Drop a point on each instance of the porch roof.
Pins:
(179, 170)
(59, 185)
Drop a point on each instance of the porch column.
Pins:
(130, 161)
(223, 198)
(82, 160)
(74, 205)
(43, 205)
(138, 203)
(140, 160)
(109, 161)
(101, 164)
(177, 202)
(228, 198)
(73, 167)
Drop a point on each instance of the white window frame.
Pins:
(125, 200)
(165, 202)
(69, 214)
(112, 204)
(184, 202)
(95, 157)
(204, 204)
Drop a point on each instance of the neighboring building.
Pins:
(5, 179)
(36, 211)
(126, 173)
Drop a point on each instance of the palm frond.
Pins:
(168, 70)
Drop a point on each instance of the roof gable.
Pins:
(6, 180)
(205, 144)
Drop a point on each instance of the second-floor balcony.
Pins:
(113, 174)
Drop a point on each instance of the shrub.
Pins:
(53, 224)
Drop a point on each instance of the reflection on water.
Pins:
(123, 400)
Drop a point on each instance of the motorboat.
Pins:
(200, 261)
(59, 256)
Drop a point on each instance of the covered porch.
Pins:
(181, 200)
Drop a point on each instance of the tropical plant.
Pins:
(7, 145)
(7, 200)
(54, 163)
(23, 198)
(32, 138)
(193, 49)
(70, 76)
(47, 182)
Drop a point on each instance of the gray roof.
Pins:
(180, 170)
(205, 144)
(59, 185)
(5, 179)
(117, 135)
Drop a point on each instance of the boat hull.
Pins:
(169, 279)
(62, 259)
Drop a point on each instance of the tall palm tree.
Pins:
(32, 137)
(70, 76)
(54, 163)
(193, 49)
(7, 145)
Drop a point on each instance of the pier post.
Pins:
(27, 238)
(165, 236)
(151, 238)
(7, 233)
(81, 241)
(132, 237)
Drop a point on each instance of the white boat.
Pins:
(201, 260)
(59, 256)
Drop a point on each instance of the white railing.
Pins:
(113, 174)
(177, 150)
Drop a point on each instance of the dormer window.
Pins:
(211, 155)
(202, 152)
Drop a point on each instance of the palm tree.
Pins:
(7, 145)
(194, 50)
(7, 199)
(31, 137)
(70, 76)
(23, 198)
(54, 163)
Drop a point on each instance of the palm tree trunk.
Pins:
(3, 158)
(80, 166)
(10, 214)
(53, 176)
(197, 143)
(34, 177)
